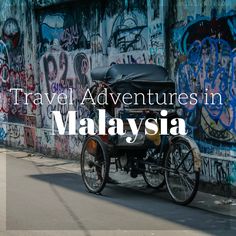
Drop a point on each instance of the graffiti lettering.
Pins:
(13, 131)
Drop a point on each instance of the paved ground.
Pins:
(45, 194)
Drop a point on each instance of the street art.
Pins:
(17, 59)
(70, 36)
(81, 68)
(204, 58)
(209, 64)
(52, 70)
(13, 131)
(56, 31)
(220, 173)
(9, 78)
(156, 44)
(217, 170)
(139, 57)
(204, 26)
(63, 72)
(70, 45)
(13, 72)
(96, 43)
(11, 46)
(232, 176)
(11, 32)
(129, 31)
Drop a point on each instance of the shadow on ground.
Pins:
(148, 201)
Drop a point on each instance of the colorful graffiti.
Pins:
(9, 78)
(69, 50)
(14, 73)
(204, 26)
(205, 61)
(210, 67)
(73, 41)
(59, 30)
(11, 32)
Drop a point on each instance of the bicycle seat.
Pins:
(99, 73)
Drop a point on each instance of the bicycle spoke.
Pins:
(94, 166)
(181, 179)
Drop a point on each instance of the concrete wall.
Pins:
(50, 46)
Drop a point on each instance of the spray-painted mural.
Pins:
(203, 61)
(65, 62)
(72, 41)
(15, 72)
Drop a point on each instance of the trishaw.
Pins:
(163, 160)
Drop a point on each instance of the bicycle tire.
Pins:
(195, 173)
(93, 165)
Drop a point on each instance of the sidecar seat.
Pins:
(99, 73)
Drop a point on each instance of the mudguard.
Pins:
(194, 147)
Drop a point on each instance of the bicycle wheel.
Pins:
(182, 179)
(154, 180)
(94, 164)
(152, 175)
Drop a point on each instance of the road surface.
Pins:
(47, 198)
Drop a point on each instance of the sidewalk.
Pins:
(204, 201)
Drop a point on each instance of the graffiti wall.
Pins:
(53, 50)
(203, 60)
(75, 39)
(16, 71)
